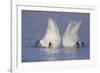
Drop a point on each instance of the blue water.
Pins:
(38, 54)
(34, 25)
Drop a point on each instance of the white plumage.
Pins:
(52, 36)
(71, 36)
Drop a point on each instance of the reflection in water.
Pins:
(36, 54)
(71, 50)
(50, 56)
(51, 50)
(50, 53)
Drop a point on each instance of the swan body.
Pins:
(52, 37)
(71, 37)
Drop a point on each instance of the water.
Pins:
(36, 54)
(34, 25)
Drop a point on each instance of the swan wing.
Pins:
(67, 38)
(68, 29)
(76, 28)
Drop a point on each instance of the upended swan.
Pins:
(71, 37)
(52, 37)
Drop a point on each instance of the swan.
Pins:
(52, 37)
(71, 37)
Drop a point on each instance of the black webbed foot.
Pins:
(50, 45)
(77, 45)
(37, 43)
(82, 43)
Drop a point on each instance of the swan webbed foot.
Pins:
(37, 44)
(50, 45)
(82, 43)
(79, 44)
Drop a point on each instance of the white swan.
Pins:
(71, 38)
(52, 37)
